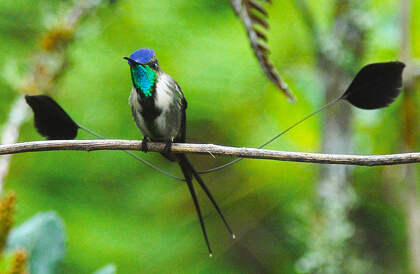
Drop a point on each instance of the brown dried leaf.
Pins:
(255, 19)
(257, 6)
(7, 217)
(262, 35)
(258, 20)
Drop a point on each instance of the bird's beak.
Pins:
(131, 62)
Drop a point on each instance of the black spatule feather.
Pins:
(51, 121)
(375, 86)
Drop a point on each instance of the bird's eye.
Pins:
(153, 65)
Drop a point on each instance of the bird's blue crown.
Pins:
(142, 55)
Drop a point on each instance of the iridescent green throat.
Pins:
(143, 79)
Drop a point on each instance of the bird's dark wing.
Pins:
(184, 127)
(182, 137)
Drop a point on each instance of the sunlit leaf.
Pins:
(43, 238)
(108, 269)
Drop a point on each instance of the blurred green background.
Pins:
(118, 210)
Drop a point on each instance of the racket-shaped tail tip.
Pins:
(375, 85)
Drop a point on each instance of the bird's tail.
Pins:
(189, 172)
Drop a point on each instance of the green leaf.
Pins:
(42, 236)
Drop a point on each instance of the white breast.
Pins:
(138, 119)
(164, 94)
(133, 100)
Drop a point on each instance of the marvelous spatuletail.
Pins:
(158, 108)
(375, 86)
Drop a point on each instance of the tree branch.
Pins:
(253, 153)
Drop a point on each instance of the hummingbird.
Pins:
(159, 108)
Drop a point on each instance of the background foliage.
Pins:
(118, 210)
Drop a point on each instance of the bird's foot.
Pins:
(144, 145)
(168, 147)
